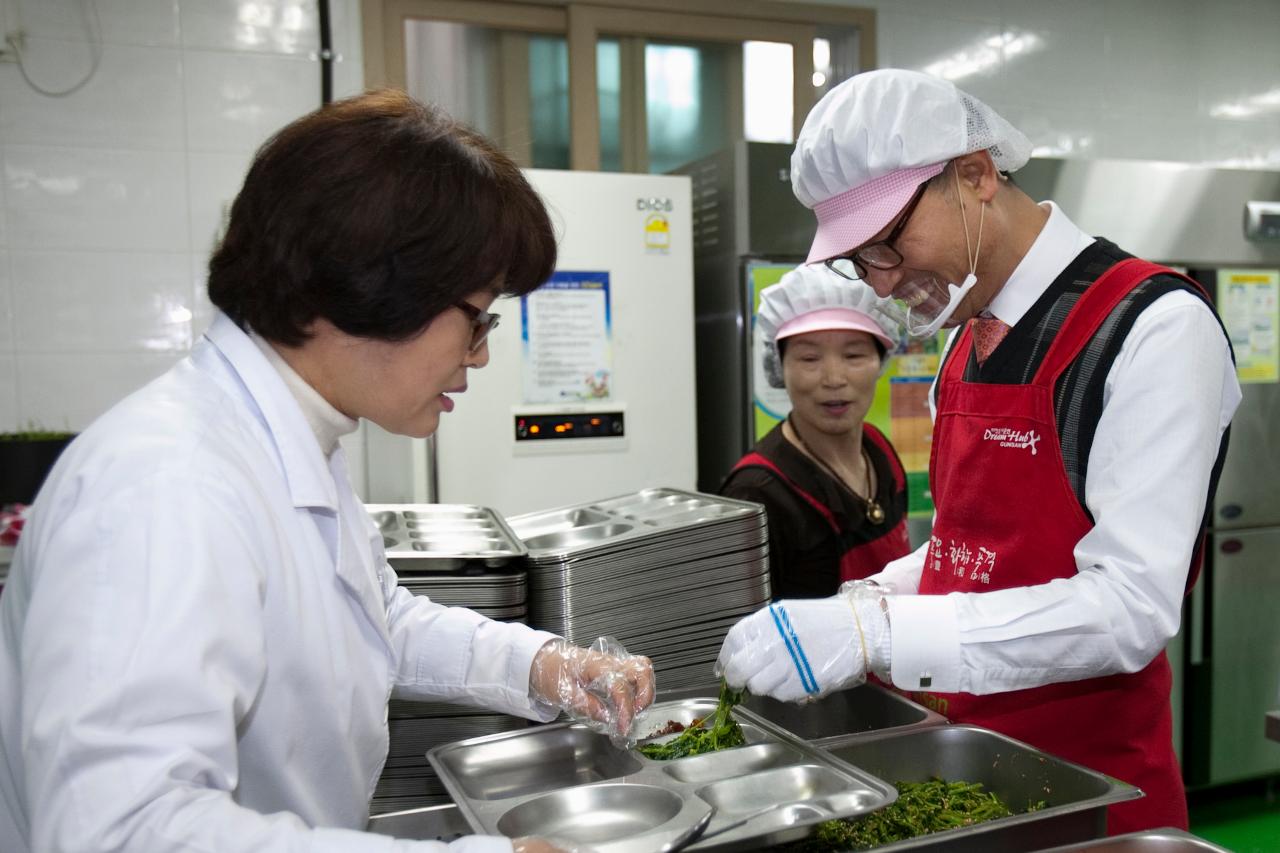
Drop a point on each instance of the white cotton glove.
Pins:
(802, 649)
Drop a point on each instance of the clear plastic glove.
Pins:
(802, 649)
(602, 686)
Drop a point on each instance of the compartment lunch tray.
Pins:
(565, 781)
(445, 537)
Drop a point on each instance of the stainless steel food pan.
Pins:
(1152, 841)
(1076, 797)
(565, 781)
(865, 711)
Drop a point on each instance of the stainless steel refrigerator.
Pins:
(1223, 227)
(747, 226)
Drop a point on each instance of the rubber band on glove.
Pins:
(799, 650)
(602, 686)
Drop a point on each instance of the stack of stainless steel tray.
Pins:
(1075, 797)
(565, 782)
(461, 556)
(666, 572)
(440, 537)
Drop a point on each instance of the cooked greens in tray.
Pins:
(921, 808)
(721, 731)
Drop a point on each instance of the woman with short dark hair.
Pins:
(200, 632)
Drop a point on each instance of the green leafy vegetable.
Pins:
(724, 732)
(921, 808)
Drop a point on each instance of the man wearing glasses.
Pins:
(1080, 416)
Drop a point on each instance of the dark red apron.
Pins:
(1007, 517)
(867, 558)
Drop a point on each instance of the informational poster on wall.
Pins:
(901, 406)
(566, 331)
(768, 405)
(902, 400)
(1249, 304)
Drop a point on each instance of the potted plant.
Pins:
(25, 459)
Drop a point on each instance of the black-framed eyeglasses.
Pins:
(880, 255)
(482, 323)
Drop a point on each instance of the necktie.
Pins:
(988, 332)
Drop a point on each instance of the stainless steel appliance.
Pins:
(1223, 227)
(746, 223)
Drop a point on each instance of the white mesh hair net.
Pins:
(880, 122)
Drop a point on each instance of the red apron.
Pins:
(1007, 517)
(867, 558)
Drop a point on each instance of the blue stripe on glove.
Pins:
(782, 622)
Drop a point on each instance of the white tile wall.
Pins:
(6, 305)
(144, 22)
(68, 390)
(134, 100)
(213, 179)
(235, 101)
(1134, 79)
(95, 302)
(10, 418)
(95, 198)
(267, 26)
(110, 198)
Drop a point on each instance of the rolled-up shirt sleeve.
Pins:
(1168, 398)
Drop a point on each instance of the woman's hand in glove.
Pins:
(602, 686)
(801, 649)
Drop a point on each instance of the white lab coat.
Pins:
(200, 633)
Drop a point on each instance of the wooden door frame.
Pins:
(584, 23)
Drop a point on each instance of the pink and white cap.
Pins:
(814, 299)
(829, 319)
(872, 140)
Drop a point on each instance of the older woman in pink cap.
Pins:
(1079, 428)
(833, 487)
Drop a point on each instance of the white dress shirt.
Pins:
(200, 633)
(1168, 398)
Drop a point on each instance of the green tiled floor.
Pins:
(1246, 823)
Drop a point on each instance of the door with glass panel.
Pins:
(655, 98)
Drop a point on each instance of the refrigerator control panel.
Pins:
(559, 426)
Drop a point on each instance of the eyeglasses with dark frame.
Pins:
(881, 255)
(482, 323)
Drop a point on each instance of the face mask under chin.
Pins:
(928, 304)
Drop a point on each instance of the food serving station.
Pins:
(667, 572)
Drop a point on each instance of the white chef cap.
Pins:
(872, 140)
(814, 299)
